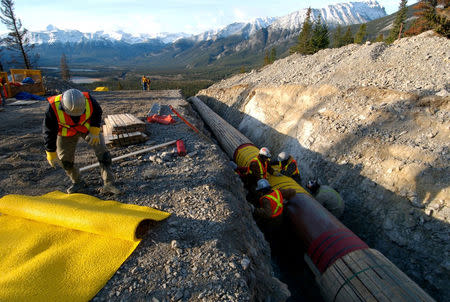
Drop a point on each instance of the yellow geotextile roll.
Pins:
(246, 154)
(44, 259)
(285, 182)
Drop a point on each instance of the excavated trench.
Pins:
(287, 262)
(383, 150)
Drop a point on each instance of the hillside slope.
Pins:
(373, 121)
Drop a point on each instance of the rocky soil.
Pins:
(210, 249)
(373, 121)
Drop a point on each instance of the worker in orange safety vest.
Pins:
(69, 116)
(270, 211)
(258, 168)
(288, 166)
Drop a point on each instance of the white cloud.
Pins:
(239, 15)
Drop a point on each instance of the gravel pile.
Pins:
(419, 64)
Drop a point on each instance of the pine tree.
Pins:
(304, 45)
(273, 55)
(119, 85)
(319, 39)
(337, 37)
(348, 37)
(380, 38)
(65, 73)
(399, 23)
(266, 59)
(361, 34)
(429, 16)
(242, 70)
(17, 39)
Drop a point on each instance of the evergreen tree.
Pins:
(337, 37)
(273, 55)
(380, 38)
(65, 73)
(242, 70)
(304, 45)
(119, 85)
(361, 34)
(319, 39)
(430, 16)
(16, 40)
(266, 59)
(399, 23)
(348, 37)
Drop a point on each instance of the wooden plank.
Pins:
(112, 122)
(335, 281)
(359, 262)
(357, 283)
(399, 282)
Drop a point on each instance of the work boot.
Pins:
(76, 187)
(110, 188)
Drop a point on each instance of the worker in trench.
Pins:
(69, 116)
(288, 166)
(257, 169)
(327, 196)
(269, 211)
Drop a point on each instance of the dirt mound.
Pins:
(373, 121)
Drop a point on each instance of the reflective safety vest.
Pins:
(66, 126)
(276, 202)
(262, 168)
(291, 160)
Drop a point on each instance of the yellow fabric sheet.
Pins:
(61, 247)
(101, 88)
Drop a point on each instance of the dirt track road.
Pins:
(201, 252)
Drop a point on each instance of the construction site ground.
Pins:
(210, 249)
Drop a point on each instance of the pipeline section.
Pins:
(346, 269)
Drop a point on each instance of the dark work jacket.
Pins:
(50, 125)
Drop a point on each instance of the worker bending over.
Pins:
(258, 168)
(328, 197)
(288, 166)
(269, 212)
(69, 116)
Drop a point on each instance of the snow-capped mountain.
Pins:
(341, 13)
(244, 29)
(52, 35)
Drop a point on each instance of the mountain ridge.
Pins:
(345, 13)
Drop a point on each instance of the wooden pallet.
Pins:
(124, 123)
(123, 130)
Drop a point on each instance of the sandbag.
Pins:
(161, 119)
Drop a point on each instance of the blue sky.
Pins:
(140, 16)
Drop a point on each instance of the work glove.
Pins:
(93, 137)
(53, 159)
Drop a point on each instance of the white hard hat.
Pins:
(73, 102)
(282, 156)
(265, 152)
(262, 184)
